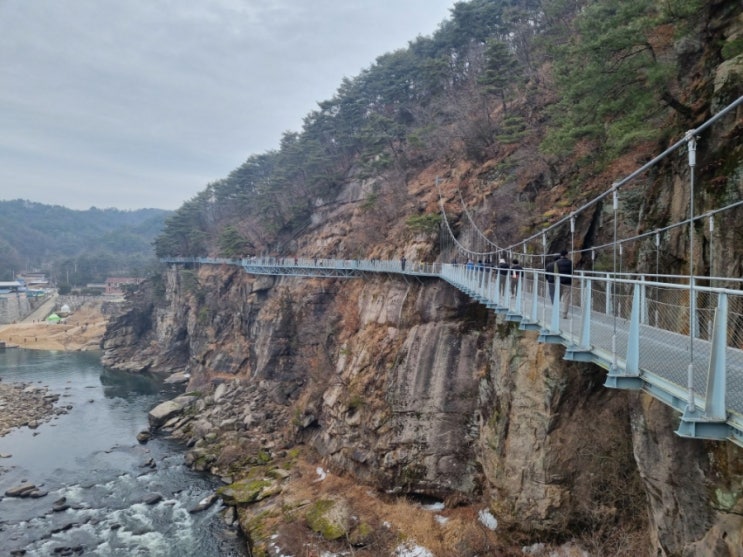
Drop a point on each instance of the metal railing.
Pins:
(648, 331)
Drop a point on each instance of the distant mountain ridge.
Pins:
(81, 246)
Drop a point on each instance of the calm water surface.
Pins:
(91, 457)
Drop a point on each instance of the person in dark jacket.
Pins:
(517, 272)
(563, 267)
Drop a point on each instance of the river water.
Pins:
(90, 457)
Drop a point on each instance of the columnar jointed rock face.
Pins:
(411, 388)
(415, 389)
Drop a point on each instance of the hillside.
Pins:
(76, 247)
(513, 115)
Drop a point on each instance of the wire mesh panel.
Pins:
(735, 322)
(600, 296)
(669, 309)
(734, 353)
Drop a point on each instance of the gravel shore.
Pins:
(30, 405)
(25, 405)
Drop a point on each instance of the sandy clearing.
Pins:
(83, 330)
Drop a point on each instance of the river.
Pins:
(91, 458)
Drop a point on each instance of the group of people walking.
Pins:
(504, 269)
(562, 266)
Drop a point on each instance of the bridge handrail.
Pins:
(612, 326)
(435, 269)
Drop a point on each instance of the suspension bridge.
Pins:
(677, 338)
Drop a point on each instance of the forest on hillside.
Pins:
(554, 90)
(73, 247)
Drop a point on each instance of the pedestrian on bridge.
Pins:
(503, 272)
(516, 271)
(563, 267)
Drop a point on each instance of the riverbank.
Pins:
(26, 405)
(29, 405)
(81, 331)
(106, 493)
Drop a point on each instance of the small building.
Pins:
(114, 284)
(6, 287)
(95, 288)
(33, 279)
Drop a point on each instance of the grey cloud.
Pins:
(142, 103)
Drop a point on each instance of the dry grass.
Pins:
(394, 520)
(83, 330)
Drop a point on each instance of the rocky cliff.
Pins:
(331, 405)
(414, 390)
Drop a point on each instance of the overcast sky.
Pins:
(141, 103)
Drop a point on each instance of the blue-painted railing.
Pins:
(678, 342)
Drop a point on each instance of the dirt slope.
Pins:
(81, 331)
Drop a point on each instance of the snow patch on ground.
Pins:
(569, 549)
(407, 550)
(321, 475)
(487, 519)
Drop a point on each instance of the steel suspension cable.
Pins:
(692, 148)
(600, 197)
(477, 229)
(448, 227)
(638, 171)
(614, 365)
(669, 227)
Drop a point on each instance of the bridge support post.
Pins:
(582, 353)
(498, 301)
(517, 313)
(501, 300)
(630, 377)
(553, 334)
(715, 406)
(490, 294)
(711, 424)
(632, 366)
(531, 323)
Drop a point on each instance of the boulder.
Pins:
(23, 490)
(329, 518)
(248, 491)
(163, 412)
(60, 505)
(204, 504)
(178, 378)
(153, 499)
(168, 409)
